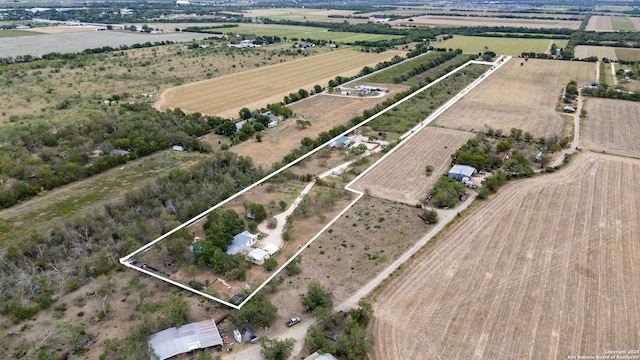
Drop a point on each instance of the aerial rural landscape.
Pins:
(319, 180)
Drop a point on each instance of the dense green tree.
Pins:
(245, 113)
(446, 192)
(256, 312)
(274, 349)
(228, 128)
(316, 297)
(316, 340)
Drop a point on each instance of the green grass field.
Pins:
(622, 23)
(505, 46)
(15, 33)
(305, 32)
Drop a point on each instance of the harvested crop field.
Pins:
(488, 21)
(225, 96)
(612, 126)
(519, 96)
(627, 54)
(547, 268)
(401, 176)
(585, 51)
(599, 23)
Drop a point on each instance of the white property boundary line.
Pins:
(127, 260)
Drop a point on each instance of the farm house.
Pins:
(341, 142)
(240, 241)
(461, 171)
(173, 341)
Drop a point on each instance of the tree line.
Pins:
(48, 265)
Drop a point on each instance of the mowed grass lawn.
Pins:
(15, 33)
(504, 46)
(228, 94)
(304, 32)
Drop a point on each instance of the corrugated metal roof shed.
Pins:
(174, 341)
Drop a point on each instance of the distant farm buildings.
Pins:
(244, 44)
(364, 90)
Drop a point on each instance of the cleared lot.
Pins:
(545, 269)
(612, 126)
(225, 96)
(519, 96)
(402, 177)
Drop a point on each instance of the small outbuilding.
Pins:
(271, 248)
(461, 171)
(258, 256)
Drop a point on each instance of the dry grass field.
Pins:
(547, 268)
(401, 177)
(323, 111)
(225, 96)
(519, 96)
(62, 29)
(628, 54)
(599, 23)
(636, 22)
(612, 126)
(488, 21)
(301, 14)
(584, 51)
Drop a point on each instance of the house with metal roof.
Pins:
(461, 171)
(173, 341)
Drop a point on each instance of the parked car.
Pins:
(293, 321)
(332, 336)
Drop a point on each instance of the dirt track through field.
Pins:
(255, 88)
(545, 269)
(519, 96)
(402, 177)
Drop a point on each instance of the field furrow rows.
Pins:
(545, 273)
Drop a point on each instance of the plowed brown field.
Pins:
(401, 177)
(547, 268)
(226, 95)
(612, 126)
(519, 96)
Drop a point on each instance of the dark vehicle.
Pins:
(332, 336)
(293, 321)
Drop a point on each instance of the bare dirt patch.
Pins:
(546, 268)
(225, 96)
(519, 96)
(402, 177)
(612, 126)
(480, 21)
